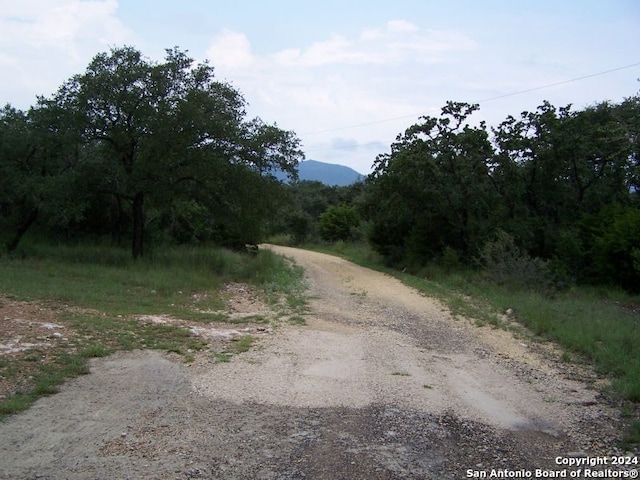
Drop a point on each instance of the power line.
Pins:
(564, 82)
(520, 92)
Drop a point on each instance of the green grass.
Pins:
(239, 345)
(49, 377)
(170, 281)
(99, 290)
(297, 320)
(632, 435)
(243, 344)
(280, 278)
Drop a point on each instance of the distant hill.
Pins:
(327, 173)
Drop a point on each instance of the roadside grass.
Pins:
(280, 279)
(46, 377)
(596, 326)
(240, 345)
(97, 291)
(593, 326)
(631, 437)
(243, 344)
(172, 281)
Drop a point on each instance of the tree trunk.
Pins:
(138, 225)
(117, 225)
(22, 229)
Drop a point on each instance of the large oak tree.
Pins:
(160, 135)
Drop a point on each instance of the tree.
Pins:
(554, 165)
(434, 189)
(306, 202)
(18, 203)
(165, 134)
(337, 223)
(628, 112)
(38, 175)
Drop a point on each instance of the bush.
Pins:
(617, 250)
(299, 227)
(603, 248)
(507, 264)
(338, 223)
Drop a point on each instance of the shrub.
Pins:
(505, 263)
(617, 250)
(338, 223)
(299, 226)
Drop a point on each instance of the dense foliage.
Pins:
(560, 185)
(338, 223)
(162, 152)
(306, 204)
(142, 150)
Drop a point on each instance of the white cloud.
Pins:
(44, 42)
(400, 41)
(401, 26)
(335, 50)
(341, 81)
(230, 49)
(289, 56)
(436, 42)
(61, 24)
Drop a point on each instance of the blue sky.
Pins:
(346, 76)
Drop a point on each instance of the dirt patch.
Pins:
(30, 336)
(381, 383)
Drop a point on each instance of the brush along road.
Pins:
(380, 383)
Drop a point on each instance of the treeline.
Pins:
(545, 199)
(142, 152)
(149, 153)
(552, 193)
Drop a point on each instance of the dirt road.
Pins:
(381, 383)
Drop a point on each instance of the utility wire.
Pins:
(520, 92)
(564, 82)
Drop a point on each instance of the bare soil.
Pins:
(381, 383)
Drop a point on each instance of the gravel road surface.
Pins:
(381, 383)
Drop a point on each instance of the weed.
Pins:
(401, 374)
(221, 357)
(507, 264)
(298, 303)
(242, 344)
(626, 411)
(16, 403)
(94, 351)
(260, 319)
(239, 345)
(631, 437)
(297, 320)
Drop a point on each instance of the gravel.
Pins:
(382, 383)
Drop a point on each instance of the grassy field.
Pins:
(600, 327)
(98, 292)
